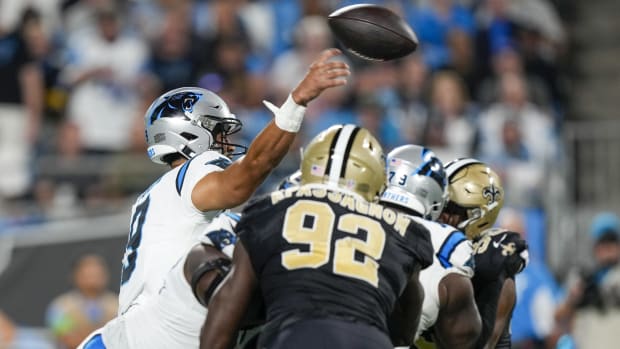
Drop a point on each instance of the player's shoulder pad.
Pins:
(452, 248)
(418, 238)
(215, 159)
(508, 245)
(199, 166)
(220, 233)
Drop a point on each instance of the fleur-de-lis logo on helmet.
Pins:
(491, 193)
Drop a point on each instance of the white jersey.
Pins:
(453, 254)
(164, 225)
(172, 318)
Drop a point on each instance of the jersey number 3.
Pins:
(312, 223)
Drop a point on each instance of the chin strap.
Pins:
(221, 265)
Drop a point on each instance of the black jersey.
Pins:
(321, 252)
(498, 256)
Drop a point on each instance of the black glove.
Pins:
(499, 252)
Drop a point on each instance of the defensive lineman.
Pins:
(329, 261)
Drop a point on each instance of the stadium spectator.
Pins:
(591, 308)
(21, 102)
(73, 315)
(413, 80)
(311, 37)
(505, 61)
(449, 128)
(514, 105)
(371, 114)
(174, 59)
(13, 336)
(435, 22)
(103, 73)
(517, 137)
(538, 36)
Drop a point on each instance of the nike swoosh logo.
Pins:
(496, 244)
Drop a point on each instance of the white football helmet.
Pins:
(416, 181)
(186, 121)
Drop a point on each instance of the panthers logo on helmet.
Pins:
(176, 106)
(491, 193)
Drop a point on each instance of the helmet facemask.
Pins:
(476, 196)
(221, 128)
(471, 218)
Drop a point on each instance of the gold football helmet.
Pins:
(346, 156)
(475, 194)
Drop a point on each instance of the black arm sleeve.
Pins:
(487, 295)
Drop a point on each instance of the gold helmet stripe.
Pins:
(339, 155)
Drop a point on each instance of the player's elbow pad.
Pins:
(221, 265)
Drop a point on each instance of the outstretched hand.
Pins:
(322, 74)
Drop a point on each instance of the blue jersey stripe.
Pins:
(236, 217)
(449, 245)
(181, 176)
(95, 343)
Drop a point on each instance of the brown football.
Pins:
(372, 32)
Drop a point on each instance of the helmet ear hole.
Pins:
(188, 136)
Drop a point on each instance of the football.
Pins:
(372, 32)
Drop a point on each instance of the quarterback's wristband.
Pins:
(289, 116)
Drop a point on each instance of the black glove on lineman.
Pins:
(499, 251)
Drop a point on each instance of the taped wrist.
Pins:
(221, 265)
(289, 116)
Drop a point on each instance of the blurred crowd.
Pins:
(78, 75)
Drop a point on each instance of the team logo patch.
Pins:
(350, 184)
(221, 238)
(395, 162)
(491, 193)
(220, 162)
